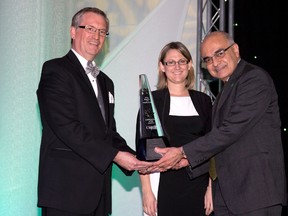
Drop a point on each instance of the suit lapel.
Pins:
(227, 88)
(222, 95)
(80, 72)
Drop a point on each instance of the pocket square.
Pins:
(111, 98)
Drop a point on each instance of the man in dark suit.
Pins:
(245, 137)
(79, 143)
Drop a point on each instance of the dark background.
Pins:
(260, 32)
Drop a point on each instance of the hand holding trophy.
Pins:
(150, 132)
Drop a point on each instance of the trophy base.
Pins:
(145, 148)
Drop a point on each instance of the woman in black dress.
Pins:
(185, 115)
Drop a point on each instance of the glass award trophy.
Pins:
(150, 132)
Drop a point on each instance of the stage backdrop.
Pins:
(33, 31)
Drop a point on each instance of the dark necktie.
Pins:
(94, 70)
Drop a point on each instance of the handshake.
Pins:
(172, 158)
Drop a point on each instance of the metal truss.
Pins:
(212, 15)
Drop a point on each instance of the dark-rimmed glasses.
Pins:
(92, 30)
(217, 55)
(173, 63)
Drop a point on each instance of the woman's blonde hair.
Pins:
(162, 78)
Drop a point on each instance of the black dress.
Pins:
(178, 195)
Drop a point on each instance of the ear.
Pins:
(161, 66)
(72, 32)
(235, 48)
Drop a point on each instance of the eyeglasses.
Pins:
(173, 63)
(217, 55)
(92, 30)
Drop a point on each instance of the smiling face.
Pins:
(175, 66)
(87, 44)
(223, 61)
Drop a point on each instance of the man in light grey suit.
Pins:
(245, 138)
